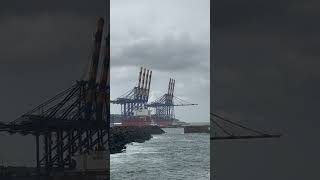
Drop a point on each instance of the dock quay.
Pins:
(197, 129)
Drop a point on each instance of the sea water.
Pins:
(170, 156)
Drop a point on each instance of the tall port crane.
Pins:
(74, 121)
(137, 97)
(164, 105)
(225, 129)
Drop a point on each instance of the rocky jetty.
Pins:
(121, 136)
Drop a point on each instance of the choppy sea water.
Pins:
(173, 155)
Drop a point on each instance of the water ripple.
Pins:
(171, 156)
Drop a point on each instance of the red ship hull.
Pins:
(163, 123)
(146, 121)
(139, 121)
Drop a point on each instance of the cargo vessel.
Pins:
(163, 122)
(141, 117)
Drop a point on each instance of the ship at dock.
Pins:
(138, 110)
(143, 117)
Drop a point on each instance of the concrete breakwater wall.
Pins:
(197, 129)
(121, 136)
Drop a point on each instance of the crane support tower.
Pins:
(75, 121)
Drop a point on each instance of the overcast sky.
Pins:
(265, 69)
(45, 47)
(169, 37)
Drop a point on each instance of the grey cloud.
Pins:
(169, 54)
(172, 39)
(45, 46)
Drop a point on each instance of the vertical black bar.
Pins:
(49, 153)
(90, 139)
(46, 154)
(211, 94)
(57, 149)
(108, 86)
(80, 140)
(87, 140)
(61, 149)
(37, 154)
(70, 137)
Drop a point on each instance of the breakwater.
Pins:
(121, 136)
(197, 129)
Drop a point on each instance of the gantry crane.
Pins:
(224, 129)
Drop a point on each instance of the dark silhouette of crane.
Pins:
(225, 129)
(75, 120)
